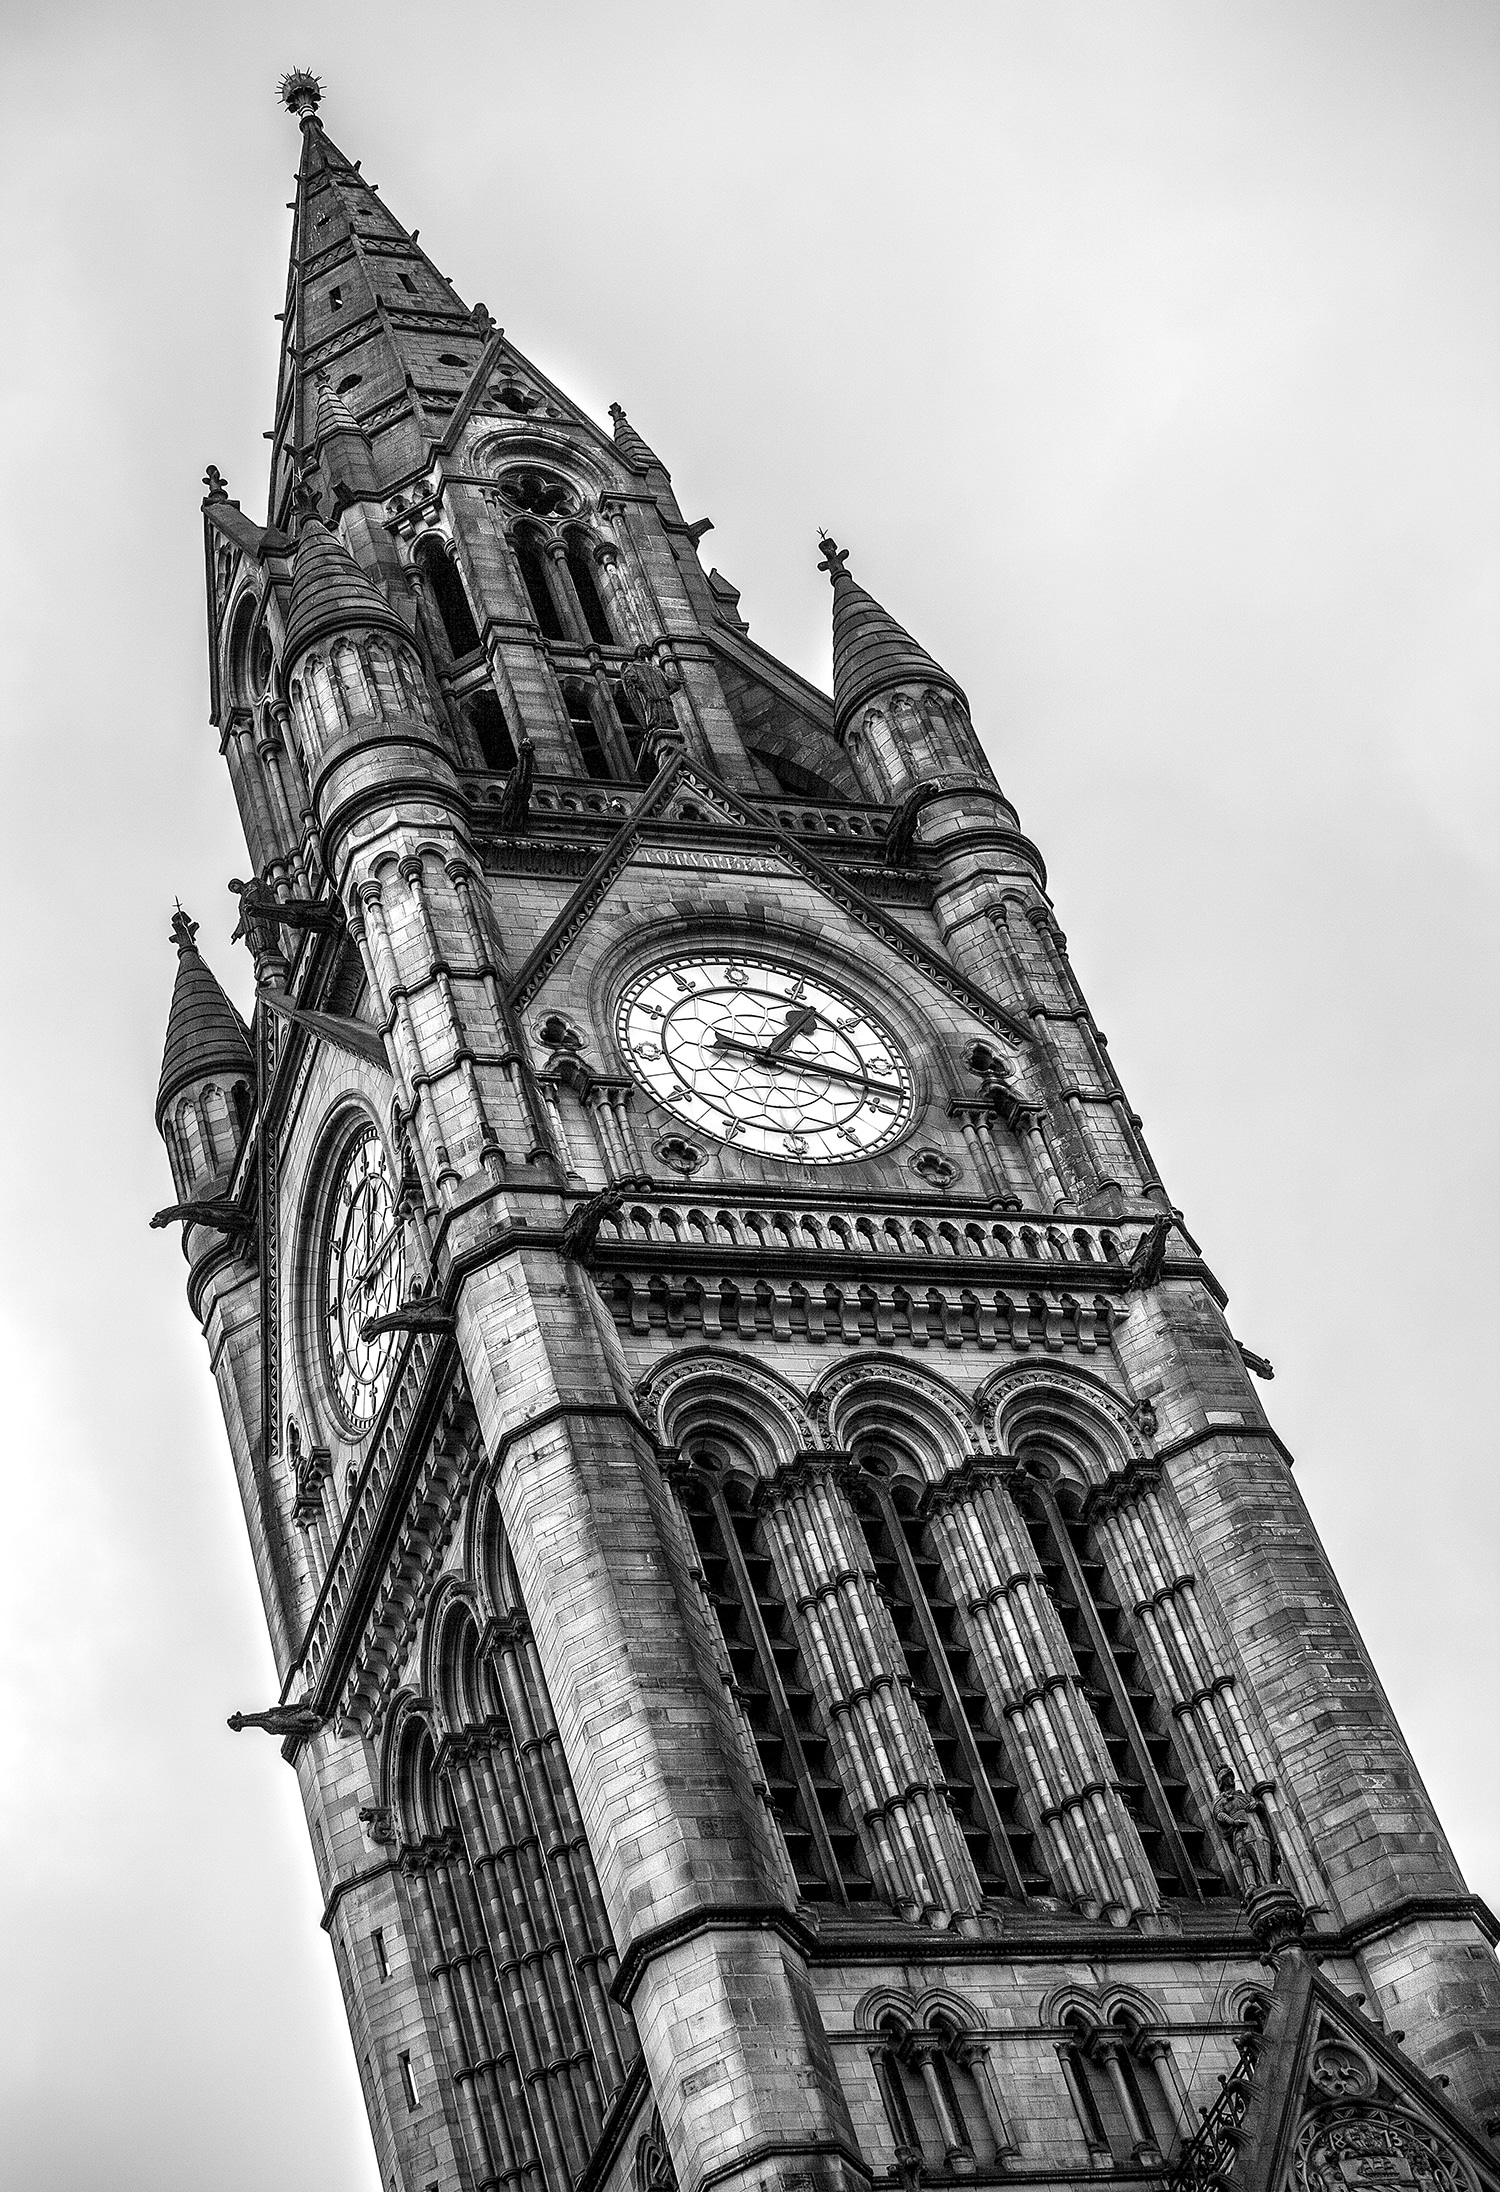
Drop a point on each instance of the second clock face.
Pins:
(754, 1052)
(364, 1273)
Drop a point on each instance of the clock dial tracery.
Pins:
(757, 1053)
(363, 1275)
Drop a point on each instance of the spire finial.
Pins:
(834, 558)
(184, 930)
(305, 497)
(216, 484)
(301, 91)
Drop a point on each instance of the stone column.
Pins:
(1027, 1667)
(918, 1856)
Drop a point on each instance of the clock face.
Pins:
(364, 1275)
(756, 1053)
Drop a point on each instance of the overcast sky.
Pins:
(1146, 359)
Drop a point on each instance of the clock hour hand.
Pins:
(805, 1065)
(801, 1020)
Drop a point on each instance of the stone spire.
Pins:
(362, 297)
(872, 653)
(206, 1038)
(637, 452)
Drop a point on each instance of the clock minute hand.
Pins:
(379, 1254)
(805, 1065)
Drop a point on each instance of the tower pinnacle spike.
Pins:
(834, 558)
(301, 92)
(184, 930)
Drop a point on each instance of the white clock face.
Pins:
(364, 1275)
(751, 1051)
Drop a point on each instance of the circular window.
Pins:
(544, 494)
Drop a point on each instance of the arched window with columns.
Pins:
(580, 569)
(941, 2095)
(532, 559)
(449, 596)
(1124, 2085)
(510, 1920)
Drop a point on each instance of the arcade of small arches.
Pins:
(203, 1130)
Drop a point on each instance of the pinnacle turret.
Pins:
(206, 1037)
(633, 447)
(330, 593)
(871, 652)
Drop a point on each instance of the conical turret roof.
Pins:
(871, 651)
(205, 1035)
(333, 415)
(330, 593)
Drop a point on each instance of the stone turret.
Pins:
(903, 720)
(207, 1073)
(353, 674)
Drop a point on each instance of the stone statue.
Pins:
(1242, 1821)
(648, 692)
(515, 805)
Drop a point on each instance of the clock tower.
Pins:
(802, 1651)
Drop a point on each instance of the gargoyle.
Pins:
(260, 907)
(280, 1720)
(584, 1220)
(1144, 1268)
(902, 834)
(1257, 1365)
(514, 810)
(220, 1212)
(412, 1316)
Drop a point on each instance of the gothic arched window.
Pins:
(491, 731)
(981, 1789)
(1136, 1729)
(585, 586)
(586, 732)
(509, 1915)
(772, 1687)
(940, 2099)
(532, 558)
(448, 596)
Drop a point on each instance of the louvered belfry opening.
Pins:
(771, 1684)
(1143, 1755)
(981, 1786)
